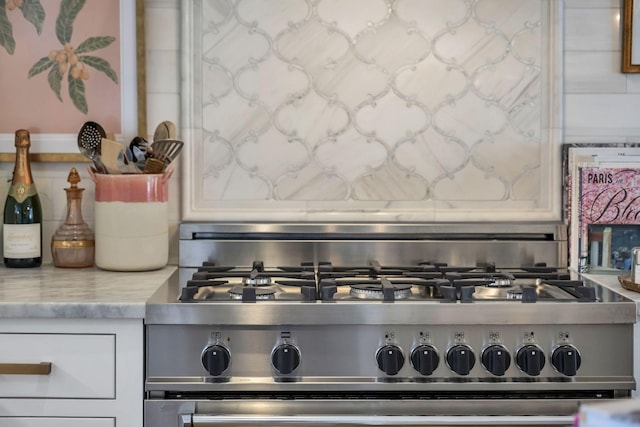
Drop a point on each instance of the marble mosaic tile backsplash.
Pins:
(370, 109)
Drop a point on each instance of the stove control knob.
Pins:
(390, 359)
(530, 359)
(285, 358)
(461, 359)
(216, 359)
(566, 360)
(425, 359)
(496, 359)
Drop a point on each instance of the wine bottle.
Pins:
(22, 228)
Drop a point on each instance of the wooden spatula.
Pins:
(110, 152)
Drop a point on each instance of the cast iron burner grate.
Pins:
(255, 284)
(422, 281)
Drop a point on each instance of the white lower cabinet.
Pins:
(71, 372)
(84, 365)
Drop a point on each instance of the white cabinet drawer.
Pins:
(56, 422)
(82, 365)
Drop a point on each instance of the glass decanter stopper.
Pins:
(73, 243)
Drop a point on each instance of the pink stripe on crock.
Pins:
(134, 188)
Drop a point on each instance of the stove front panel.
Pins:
(343, 356)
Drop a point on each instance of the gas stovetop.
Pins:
(414, 313)
(423, 281)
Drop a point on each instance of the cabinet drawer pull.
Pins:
(42, 368)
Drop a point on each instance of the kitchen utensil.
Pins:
(138, 145)
(138, 155)
(153, 165)
(127, 167)
(110, 151)
(165, 130)
(89, 144)
(166, 150)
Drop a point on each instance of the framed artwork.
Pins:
(631, 36)
(65, 62)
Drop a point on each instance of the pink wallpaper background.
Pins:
(30, 103)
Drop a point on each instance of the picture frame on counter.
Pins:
(63, 67)
(631, 36)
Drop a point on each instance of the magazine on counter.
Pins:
(576, 157)
(608, 218)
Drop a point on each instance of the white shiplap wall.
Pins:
(601, 104)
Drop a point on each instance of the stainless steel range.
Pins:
(381, 324)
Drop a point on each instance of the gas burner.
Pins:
(203, 292)
(256, 281)
(375, 292)
(500, 282)
(514, 294)
(261, 293)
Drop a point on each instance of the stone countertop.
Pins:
(50, 292)
(611, 281)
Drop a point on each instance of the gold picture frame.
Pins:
(631, 36)
(135, 19)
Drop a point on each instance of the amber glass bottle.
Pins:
(73, 243)
(22, 228)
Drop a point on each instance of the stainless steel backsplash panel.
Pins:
(505, 244)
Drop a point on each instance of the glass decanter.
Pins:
(73, 243)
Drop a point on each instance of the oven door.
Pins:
(326, 412)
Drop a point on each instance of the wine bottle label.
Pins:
(21, 191)
(21, 240)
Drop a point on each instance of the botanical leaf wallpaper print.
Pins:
(31, 10)
(73, 61)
